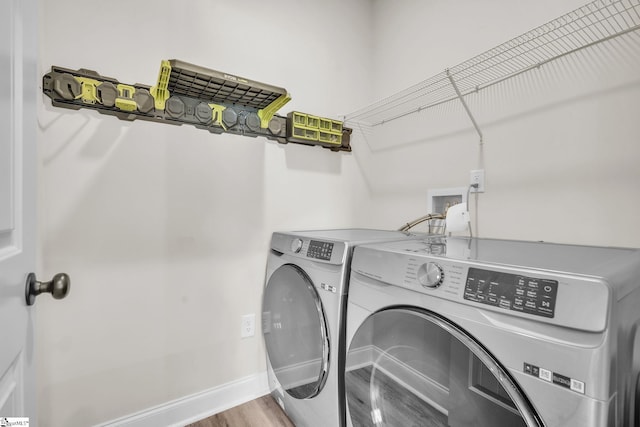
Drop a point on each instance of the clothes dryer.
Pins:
(302, 319)
(493, 333)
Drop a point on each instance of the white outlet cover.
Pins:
(476, 176)
(248, 326)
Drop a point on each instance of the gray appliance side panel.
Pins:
(625, 369)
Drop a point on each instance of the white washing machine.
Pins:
(491, 333)
(303, 308)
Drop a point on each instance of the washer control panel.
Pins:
(519, 279)
(320, 250)
(512, 291)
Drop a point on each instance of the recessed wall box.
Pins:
(439, 200)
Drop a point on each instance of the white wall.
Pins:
(560, 143)
(164, 230)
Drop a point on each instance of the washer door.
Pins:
(295, 332)
(409, 367)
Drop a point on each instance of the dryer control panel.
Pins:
(512, 291)
(320, 250)
(315, 250)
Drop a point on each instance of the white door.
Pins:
(18, 89)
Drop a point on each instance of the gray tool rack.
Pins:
(185, 94)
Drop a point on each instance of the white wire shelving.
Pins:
(586, 26)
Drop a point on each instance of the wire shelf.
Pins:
(593, 23)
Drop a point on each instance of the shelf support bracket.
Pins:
(464, 104)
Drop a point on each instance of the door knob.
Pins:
(58, 287)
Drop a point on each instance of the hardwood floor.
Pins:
(261, 412)
(401, 407)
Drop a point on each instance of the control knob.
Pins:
(430, 275)
(296, 245)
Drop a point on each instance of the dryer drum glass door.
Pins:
(409, 367)
(295, 332)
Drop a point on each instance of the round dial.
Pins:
(296, 245)
(430, 275)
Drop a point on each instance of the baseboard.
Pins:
(189, 409)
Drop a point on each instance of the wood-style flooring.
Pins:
(261, 412)
(401, 407)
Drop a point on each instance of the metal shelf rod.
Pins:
(464, 104)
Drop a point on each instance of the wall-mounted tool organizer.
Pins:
(596, 22)
(205, 98)
(305, 127)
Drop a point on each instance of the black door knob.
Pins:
(58, 287)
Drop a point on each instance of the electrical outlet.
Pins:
(477, 177)
(248, 326)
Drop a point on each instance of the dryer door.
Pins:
(409, 367)
(295, 332)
